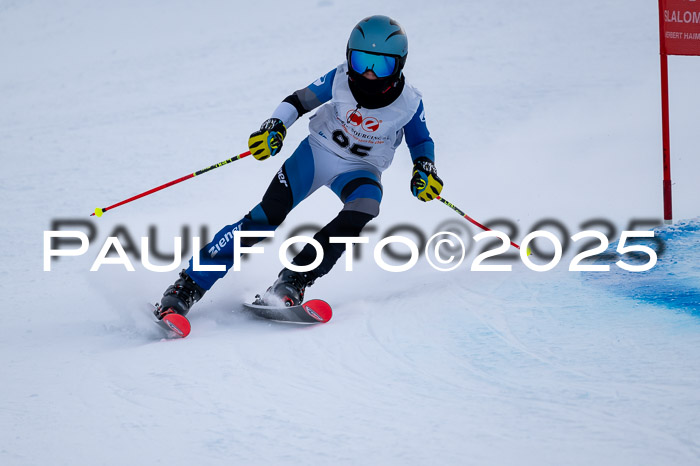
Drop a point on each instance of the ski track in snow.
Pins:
(538, 109)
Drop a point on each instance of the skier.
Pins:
(366, 107)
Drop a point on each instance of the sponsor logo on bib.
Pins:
(369, 124)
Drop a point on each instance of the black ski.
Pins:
(311, 312)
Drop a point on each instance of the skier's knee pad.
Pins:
(362, 195)
(363, 205)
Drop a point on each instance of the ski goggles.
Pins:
(381, 65)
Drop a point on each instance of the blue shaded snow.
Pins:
(674, 282)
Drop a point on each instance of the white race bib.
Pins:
(358, 133)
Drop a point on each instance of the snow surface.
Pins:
(539, 109)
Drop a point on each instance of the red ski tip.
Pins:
(178, 324)
(318, 309)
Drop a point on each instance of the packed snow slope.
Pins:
(539, 110)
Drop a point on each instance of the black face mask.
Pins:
(375, 93)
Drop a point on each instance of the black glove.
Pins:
(267, 141)
(426, 185)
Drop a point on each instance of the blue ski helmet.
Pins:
(377, 43)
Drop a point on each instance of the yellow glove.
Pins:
(267, 141)
(426, 185)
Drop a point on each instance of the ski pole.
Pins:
(485, 228)
(101, 211)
